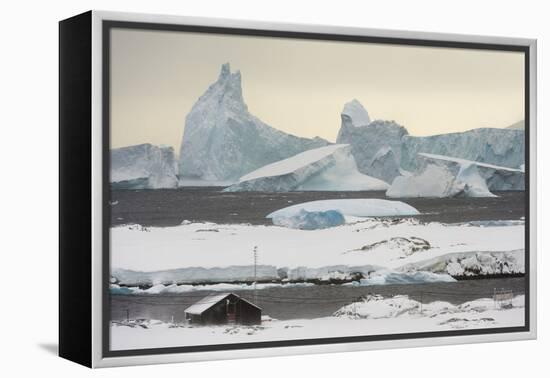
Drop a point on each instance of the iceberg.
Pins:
(350, 207)
(443, 176)
(432, 181)
(481, 176)
(143, 166)
(384, 164)
(376, 147)
(223, 141)
(310, 220)
(382, 148)
(520, 125)
(501, 147)
(326, 168)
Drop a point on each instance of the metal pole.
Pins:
(255, 273)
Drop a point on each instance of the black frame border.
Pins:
(109, 25)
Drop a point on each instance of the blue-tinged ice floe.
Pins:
(310, 220)
(324, 212)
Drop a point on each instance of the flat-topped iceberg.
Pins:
(330, 168)
(351, 207)
(143, 166)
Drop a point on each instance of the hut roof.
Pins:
(210, 300)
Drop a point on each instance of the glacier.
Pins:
(325, 168)
(143, 166)
(223, 141)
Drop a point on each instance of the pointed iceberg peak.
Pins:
(225, 71)
(355, 113)
(228, 87)
(225, 74)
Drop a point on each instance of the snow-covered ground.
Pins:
(372, 316)
(202, 252)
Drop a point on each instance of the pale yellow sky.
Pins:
(300, 86)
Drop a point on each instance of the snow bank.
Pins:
(310, 220)
(226, 255)
(325, 168)
(401, 306)
(378, 307)
(350, 207)
(472, 263)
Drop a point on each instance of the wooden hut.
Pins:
(226, 308)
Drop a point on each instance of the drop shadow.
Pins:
(51, 348)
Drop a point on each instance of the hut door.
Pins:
(231, 310)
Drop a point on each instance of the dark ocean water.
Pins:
(309, 302)
(169, 207)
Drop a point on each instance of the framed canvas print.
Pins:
(233, 189)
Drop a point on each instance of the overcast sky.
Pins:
(300, 86)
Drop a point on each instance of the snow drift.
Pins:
(143, 166)
(470, 264)
(222, 141)
(325, 168)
